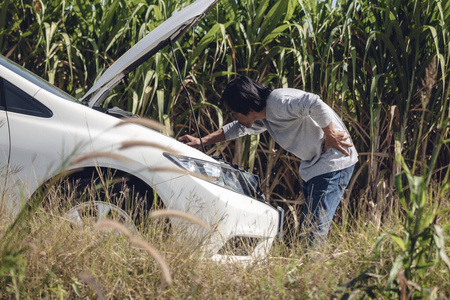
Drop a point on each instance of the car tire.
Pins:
(92, 196)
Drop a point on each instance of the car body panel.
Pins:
(4, 150)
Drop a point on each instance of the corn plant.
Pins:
(419, 245)
(416, 249)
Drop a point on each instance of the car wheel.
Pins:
(86, 214)
(87, 198)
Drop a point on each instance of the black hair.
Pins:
(243, 95)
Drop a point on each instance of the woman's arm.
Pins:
(213, 138)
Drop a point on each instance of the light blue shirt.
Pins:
(295, 119)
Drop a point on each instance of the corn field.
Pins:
(382, 65)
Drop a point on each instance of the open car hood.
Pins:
(170, 30)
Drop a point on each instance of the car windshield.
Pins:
(35, 79)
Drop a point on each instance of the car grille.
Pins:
(240, 246)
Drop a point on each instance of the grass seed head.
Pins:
(147, 123)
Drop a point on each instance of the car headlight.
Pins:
(220, 174)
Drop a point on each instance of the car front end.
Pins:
(230, 201)
(243, 224)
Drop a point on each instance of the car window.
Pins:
(2, 101)
(2, 97)
(16, 100)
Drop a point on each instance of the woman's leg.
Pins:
(322, 194)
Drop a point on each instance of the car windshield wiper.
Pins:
(188, 94)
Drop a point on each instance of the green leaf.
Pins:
(439, 239)
(206, 40)
(399, 241)
(254, 142)
(3, 11)
(272, 18)
(160, 99)
(396, 267)
(401, 195)
(69, 53)
(379, 241)
(275, 33)
(107, 21)
(260, 14)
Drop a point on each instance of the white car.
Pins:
(43, 129)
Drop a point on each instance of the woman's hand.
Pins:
(336, 139)
(212, 138)
(190, 141)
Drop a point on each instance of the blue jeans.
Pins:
(322, 194)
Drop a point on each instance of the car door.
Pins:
(27, 123)
(4, 144)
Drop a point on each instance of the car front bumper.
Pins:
(243, 228)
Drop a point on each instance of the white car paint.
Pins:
(4, 148)
(34, 149)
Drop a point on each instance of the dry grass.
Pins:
(110, 224)
(95, 155)
(130, 144)
(147, 123)
(50, 258)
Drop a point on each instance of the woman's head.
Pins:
(243, 95)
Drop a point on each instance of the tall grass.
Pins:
(420, 242)
(50, 258)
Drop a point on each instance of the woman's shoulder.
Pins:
(289, 93)
(289, 96)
